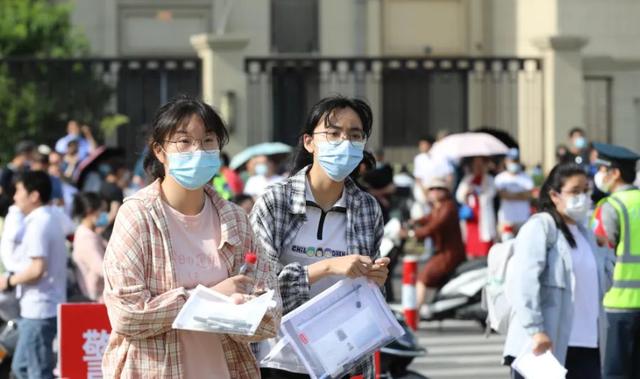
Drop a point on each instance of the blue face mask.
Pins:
(103, 220)
(338, 161)
(193, 170)
(513, 167)
(580, 143)
(262, 169)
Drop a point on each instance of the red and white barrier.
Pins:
(409, 295)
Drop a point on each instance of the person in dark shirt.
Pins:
(18, 165)
(40, 162)
(111, 191)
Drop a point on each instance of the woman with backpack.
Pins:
(558, 278)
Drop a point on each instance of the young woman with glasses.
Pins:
(558, 277)
(318, 227)
(170, 237)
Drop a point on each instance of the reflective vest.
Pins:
(221, 186)
(625, 292)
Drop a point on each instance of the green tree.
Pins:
(38, 28)
(39, 87)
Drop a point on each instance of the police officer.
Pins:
(618, 224)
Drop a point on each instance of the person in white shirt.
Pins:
(42, 281)
(264, 176)
(425, 168)
(514, 188)
(12, 234)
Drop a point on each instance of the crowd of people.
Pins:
(566, 295)
(79, 225)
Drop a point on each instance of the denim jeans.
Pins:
(34, 358)
(622, 356)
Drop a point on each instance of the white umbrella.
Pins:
(266, 148)
(462, 145)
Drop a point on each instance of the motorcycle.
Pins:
(461, 297)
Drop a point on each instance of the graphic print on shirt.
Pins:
(318, 251)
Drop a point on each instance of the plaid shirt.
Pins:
(279, 214)
(142, 297)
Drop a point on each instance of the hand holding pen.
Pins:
(239, 285)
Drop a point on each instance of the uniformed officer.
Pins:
(617, 223)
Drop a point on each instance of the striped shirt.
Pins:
(142, 297)
(279, 214)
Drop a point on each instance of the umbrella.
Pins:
(503, 136)
(462, 145)
(100, 154)
(267, 148)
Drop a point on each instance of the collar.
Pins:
(341, 203)
(624, 187)
(35, 213)
(297, 192)
(229, 228)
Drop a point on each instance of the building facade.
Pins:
(533, 68)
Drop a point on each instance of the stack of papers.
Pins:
(209, 311)
(336, 329)
(544, 366)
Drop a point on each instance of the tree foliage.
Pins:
(37, 94)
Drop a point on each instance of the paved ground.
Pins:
(457, 350)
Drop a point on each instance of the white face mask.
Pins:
(598, 180)
(577, 207)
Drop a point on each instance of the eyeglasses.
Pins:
(187, 144)
(335, 137)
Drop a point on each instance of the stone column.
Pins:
(224, 83)
(563, 90)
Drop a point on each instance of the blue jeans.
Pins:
(34, 358)
(622, 354)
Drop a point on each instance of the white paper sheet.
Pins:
(544, 366)
(209, 311)
(340, 326)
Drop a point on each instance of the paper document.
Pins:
(544, 366)
(333, 331)
(209, 311)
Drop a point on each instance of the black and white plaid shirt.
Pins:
(279, 214)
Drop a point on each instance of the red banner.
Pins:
(83, 330)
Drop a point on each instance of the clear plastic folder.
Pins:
(209, 311)
(335, 330)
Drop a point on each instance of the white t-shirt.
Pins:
(584, 330)
(44, 237)
(257, 184)
(11, 238)
(514, 211)
(426, 166)
(322, 236)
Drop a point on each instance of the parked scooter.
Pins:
(461, 297)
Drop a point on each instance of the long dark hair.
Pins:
(172, 115)
(554, 182)
(324, 108)
(85, 203)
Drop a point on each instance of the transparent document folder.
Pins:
(336, 329)
(209, 311)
